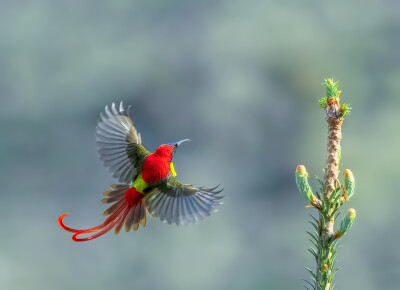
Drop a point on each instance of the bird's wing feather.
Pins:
(177, 203)
(119, 143)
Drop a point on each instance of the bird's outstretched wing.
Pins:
(119, 143)
(178, 203)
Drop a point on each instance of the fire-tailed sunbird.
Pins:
(149, 181)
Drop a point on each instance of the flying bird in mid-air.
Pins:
(149, 181)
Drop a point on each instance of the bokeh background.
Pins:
(242, 80)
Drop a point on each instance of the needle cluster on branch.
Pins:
(330, 196)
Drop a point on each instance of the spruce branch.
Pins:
(331, 196)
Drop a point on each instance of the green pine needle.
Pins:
(323, 102)
(346, 109)
(331, 88)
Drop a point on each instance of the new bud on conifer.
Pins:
(302, 183)
(347, 222)
(349, 184)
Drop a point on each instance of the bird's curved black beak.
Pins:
(180, 142)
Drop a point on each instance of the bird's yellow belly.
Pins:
(140, 185)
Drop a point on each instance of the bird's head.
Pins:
(168, 150)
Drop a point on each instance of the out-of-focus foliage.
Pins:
(241, 80)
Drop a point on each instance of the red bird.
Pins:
(149, 181)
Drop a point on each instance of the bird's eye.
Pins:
(174, 149)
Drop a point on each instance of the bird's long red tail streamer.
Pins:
(128, 209)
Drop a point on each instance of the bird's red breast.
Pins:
(157, 165)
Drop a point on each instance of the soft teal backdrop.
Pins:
(242, 80)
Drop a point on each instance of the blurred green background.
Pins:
(242, 80)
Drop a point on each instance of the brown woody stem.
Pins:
(334, 118)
